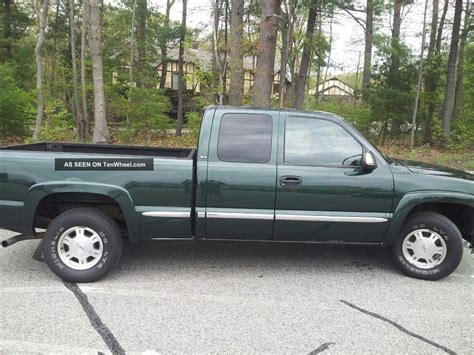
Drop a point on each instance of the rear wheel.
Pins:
(429, 246)
(82, 245)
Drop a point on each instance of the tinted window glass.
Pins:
(245, 138)
(318, 142)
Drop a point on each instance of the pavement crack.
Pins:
(399, 327)
(321, 348)
(104, 332)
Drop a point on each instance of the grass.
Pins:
(453, 158)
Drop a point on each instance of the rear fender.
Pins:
(38, 192)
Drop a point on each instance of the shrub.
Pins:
(145, 112)
(58, 123)
(15, 105)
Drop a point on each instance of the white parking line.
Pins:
(16, 346)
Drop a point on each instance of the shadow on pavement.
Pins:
(237, 255)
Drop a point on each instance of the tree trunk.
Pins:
(75, 82)
(163, 46)
(395, 44)
(420, 77)
(263, 80)
(180, 119)
(369, 32)
(132, 50)
(101, 131)
(439, 35)
(393, 76)
(41, 15)
(142, 12)
(448, 106)
(85, 113)
(218, 63)
(460, 67)
(7, 27)
(305, 57)
(431, 80)
(328, 62)
(287, 26)
(236, 61)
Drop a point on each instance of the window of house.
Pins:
(174, 81)
(245, 138)
(310, 141)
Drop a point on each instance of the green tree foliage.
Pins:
(145, 112)
(15, 105)
(391, 94)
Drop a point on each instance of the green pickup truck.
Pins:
(270, 175)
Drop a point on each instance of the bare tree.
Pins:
(142, 12)
(420, 77)
(286, 29)
(41, 11)
(263, 80)
(132, 48)
(432, 75)
(219, 63)
(460, 66)
(75, 82)
(101, 131)
(85, 113)
(163, 45)
(395, 42)
(368, 27)
(182, 38)
(236, 53)
(7, 26)
(368, 34)
(306, 56)
(448, 106)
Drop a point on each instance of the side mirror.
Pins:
(369, 162)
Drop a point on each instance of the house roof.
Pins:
(333, 83)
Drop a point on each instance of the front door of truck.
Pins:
(322, 192)
(241, 175)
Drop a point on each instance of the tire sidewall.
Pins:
(451, 237)
(111, 242)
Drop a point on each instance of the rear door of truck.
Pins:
(241, 174)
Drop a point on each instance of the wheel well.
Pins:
(461, 215)
(53, 205)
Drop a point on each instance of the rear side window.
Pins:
(245, 138)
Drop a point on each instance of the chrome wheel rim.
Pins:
(80, 248)
(424, 248)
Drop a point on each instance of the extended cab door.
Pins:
(241, 174)
(322, 193)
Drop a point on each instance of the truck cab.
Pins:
(265, 174)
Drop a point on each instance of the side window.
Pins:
(310, 141)
(245, 138)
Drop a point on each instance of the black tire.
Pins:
(446, 230)
(99, 222)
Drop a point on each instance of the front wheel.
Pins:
(82, 245)
(429, 246)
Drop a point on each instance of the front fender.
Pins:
(413, 199)
(39, 191)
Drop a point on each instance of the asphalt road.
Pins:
(167, 297)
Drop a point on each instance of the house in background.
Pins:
(334, 89)
(200, 60)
